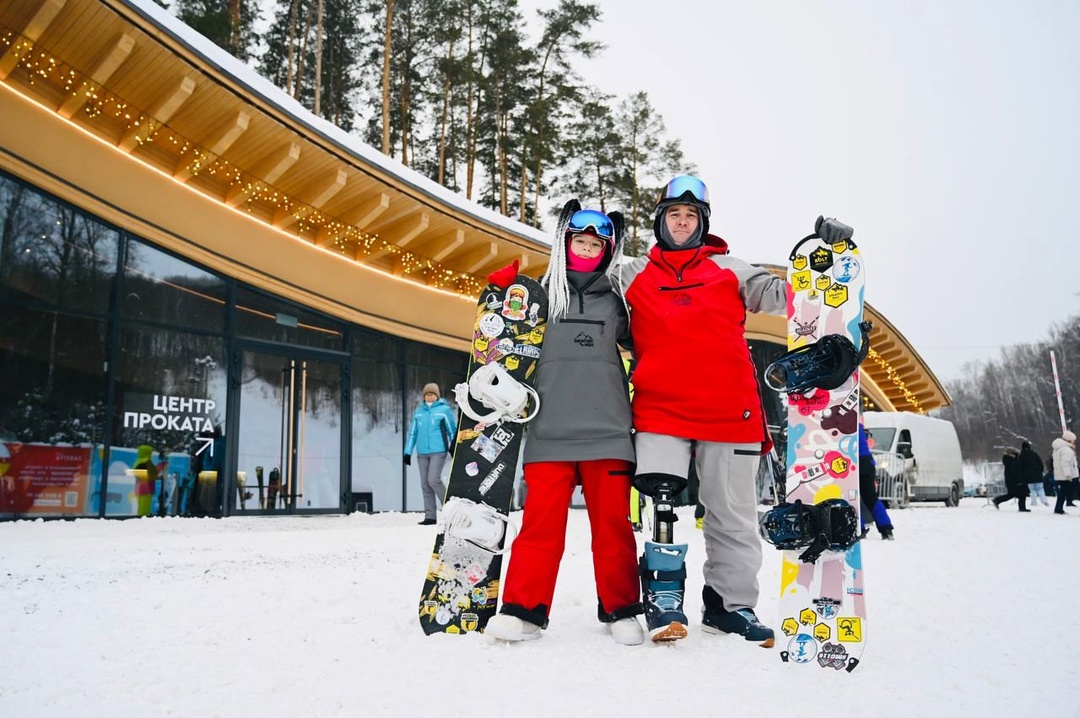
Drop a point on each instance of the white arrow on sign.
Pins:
(208, 443)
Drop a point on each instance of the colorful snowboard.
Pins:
(822, 605)
(461, 591)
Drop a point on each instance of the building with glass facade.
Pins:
(213, 303)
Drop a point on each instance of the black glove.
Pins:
(408, 459)
(831, 230)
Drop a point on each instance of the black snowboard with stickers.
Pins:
(498, 397)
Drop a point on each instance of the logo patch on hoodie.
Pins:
(584, 340)
(680, 299)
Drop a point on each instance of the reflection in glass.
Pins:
(289, 445)
(51, 253)
(259, 316)
(161, 288)
(51, 413)
(170, 396)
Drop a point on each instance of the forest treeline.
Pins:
(466, 92)
(1000, 403)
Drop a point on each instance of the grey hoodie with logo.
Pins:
(584, 394)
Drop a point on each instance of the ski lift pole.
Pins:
(1057, 391)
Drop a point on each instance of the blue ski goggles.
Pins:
(678, 187)
(591, 220)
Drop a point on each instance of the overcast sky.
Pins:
(946, 132)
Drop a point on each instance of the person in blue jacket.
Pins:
(431, 435)
(871, 503)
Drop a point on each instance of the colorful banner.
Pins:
(43, 479)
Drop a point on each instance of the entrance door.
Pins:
(290, 437)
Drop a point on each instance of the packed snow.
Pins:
(970, 615)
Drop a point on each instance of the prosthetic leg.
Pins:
(663, 564)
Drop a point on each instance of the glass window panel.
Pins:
(377, 440)
(161, 288)
(261, 316)
(52, 413)
(375, 345)
(170, 393)
(52, 253)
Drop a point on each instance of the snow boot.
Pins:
(511, 628)
(663, 582)
(627, 631)
(743, 622)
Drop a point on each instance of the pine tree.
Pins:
(229, 24)
(555, 81)
(648, 161)
(293, 62)
(590, 156)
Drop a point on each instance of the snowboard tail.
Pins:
(461, 588)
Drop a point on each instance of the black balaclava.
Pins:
(660, 230)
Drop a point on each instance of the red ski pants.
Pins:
(536, 552)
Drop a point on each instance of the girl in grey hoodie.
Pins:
(581, 435)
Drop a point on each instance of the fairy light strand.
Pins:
(260, 199)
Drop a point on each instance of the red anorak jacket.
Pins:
(694, 377)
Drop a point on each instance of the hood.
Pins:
(143, 453)
(1059, 443)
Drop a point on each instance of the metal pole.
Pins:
(1057, 390)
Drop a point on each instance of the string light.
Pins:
(260, 199)
(894, 377)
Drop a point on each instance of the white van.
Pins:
(917, 456)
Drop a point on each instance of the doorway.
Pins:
(290, 437)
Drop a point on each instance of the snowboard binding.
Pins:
(825, 364)
(477, 524)
(505, 396)
(832, 525)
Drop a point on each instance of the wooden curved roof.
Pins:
(116, 107)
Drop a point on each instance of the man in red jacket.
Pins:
(688, 301)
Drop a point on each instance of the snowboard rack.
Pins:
(832, 525)
(825, 364)
(506, 397)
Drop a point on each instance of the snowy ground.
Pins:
(972, 614)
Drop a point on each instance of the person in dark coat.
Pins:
(1015, 486)
(1031, 468)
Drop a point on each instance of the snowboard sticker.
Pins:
(461, 590)
(822, 604)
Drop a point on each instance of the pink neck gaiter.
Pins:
(580, 264)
